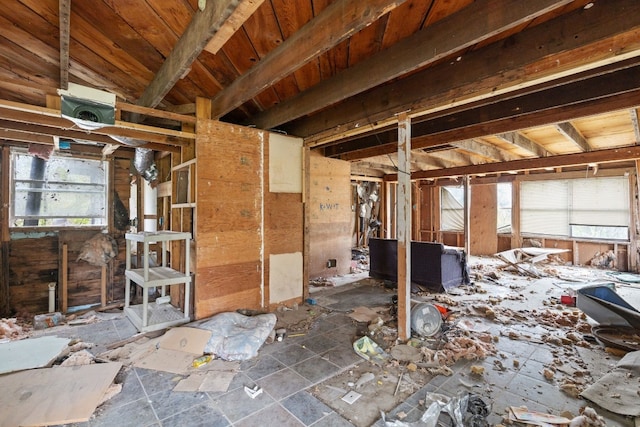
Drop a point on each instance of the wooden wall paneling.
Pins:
(330, 216)
(33, 264)
(483, 221)
(84, 280)
(229, 272)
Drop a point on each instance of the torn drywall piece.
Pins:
(52, 396)
(30, 353)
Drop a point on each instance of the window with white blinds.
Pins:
(583, 208)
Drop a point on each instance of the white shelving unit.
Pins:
(152, 316)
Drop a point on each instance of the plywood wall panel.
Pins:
(329, 204)
(483, 221)
(228, 288)
(229, 206)
(228, 247)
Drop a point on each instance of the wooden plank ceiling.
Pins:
(485, 82)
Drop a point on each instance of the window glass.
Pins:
(60, 191)
(452, 208)
(504, 207)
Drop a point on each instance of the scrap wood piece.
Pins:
(31, 353)
(523, 415)
(53, 396)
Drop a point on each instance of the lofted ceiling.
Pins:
(490, 85)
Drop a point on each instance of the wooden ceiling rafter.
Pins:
(439, 40)
(337, 22)
(525, 143)
(569, 131)
(484, 149)
(203, 28)
(531, 58)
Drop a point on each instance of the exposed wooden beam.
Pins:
(588, 96)
(572, 134)
(563, 160)
(340, 20)
(483, 149)
(64, 13)
(580, 41)
(241, 13)
(522, 141)
(32, 133)
(439, 40)
(452, 156)
(24, 113)
(203, 27)
(635, 120)
(426, 159)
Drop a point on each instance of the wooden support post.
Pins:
(103, 286)
(404, 227)
(634, 229)
(467, 215)
(306, 238)
(64, 279)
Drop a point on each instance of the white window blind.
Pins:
(576, 207)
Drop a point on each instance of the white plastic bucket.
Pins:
(426, 319)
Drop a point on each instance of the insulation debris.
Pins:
(99, 250)
(10, 329)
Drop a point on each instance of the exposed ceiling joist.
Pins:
(203, 27)
(483, 149)
(635, 120)
(340, 20)
(585, 97)
(64, 12)
(541, 54)
(572, 134)
(522, 141)
(439, 40)
(563, 160)
(453, 157)
(426, 161)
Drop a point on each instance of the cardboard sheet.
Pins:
(617, 391)
(175, 350)
(51, 396)
(206, 381)
(30, 353)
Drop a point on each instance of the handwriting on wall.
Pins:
(329, 206)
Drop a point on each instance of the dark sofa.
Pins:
(433, 265)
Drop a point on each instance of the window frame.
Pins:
(105, 184)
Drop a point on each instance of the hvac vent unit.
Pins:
(87, 107)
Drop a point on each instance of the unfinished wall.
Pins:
(229, 221)
(243, 230)
(483, 219)
(329, 204)
(34, 259)
(283, 219)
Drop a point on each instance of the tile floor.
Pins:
(287, 372)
